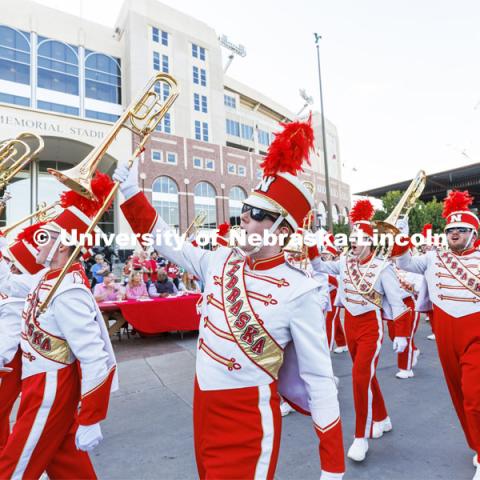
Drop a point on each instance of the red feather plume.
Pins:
(28, 233)
(427, 227)
(290, 148)
(362, 210)
(455, 202)
(102, 184)
(223, 229)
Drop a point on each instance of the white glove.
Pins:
(3, 241)
(402, 225)
(399, 344)
(331, 476)
(88, 437)
(128, 179)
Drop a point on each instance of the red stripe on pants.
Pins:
(54, 451)
(458, 343)
(364, 339)
(228, 432)
(10, 386)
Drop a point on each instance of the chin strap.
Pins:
(52, 251)
(272, 229)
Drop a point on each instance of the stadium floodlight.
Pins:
(234, 49)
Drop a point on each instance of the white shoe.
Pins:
(340, 349)
(358, 450)
(285, 409)
(475, 460)
(404, 374)
(416, 354)
(431, 337)
(379, 428)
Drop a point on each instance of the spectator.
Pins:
(163, 286)
(141, 263)
(172, 273)
(161, 262)
(99, 270)
(188, 283)
(108, 290)
(127, 270)
(152, 266)
(136, 287)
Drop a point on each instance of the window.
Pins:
(205, 131)
(156, 61)
(171, 158)
(162, 89)
(209, 164)
(198, 132)
(231, 169)
(165, 125)
(157, 156)
(233, 128)
(204, 104)
(57, 66)
(229, 101)
(196, 78)
(242, 171)
(165, 200)
(197, 162)
(236, 197)
(14, 99)
(198, 52)
(259, 174)
(57, 107)
(196, 102)
(165, 38)
(106, 117)
(103, 77)
(165, 63)
(263, 137)
(247, 132)
(205, 201)
(203, 77)
(14, 55)
(155, 34)
(158, 35)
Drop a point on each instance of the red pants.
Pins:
(364, 339)
(10, 386)
(458, 343)
(237, 432)
(43, 438)
(333, 323)
(405, 359)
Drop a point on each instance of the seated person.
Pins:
(108, 290)
(188, 283)
(136, 287)
(163, 286)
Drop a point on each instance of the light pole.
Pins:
(186, 181)
(324, 139)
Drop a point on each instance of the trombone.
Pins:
(197, 223)
(141, 117)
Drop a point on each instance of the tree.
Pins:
(421, 213)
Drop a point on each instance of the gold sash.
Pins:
(460, 272)
(356, 276)
(245, 326)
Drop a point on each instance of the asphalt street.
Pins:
(148, 434)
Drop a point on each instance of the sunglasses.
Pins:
(458, 229)
(258, 214)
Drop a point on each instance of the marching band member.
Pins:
(18, 269)
(367, 285)
(258, 315)
(67, 360)
(335, 333)
(453, 278)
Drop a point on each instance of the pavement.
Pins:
(148, 433)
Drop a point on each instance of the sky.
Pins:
(401, 78)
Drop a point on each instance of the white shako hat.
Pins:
(280, 191)
(456, 211)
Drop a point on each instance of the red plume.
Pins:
(455, 202)
(28, 233)
(223, 229)
(290, 148)
(362, 210)
(426, 228)
(102, 184)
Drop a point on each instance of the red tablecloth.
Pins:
(159, 314)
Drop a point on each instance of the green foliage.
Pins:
(341, 228)
(420, 214)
